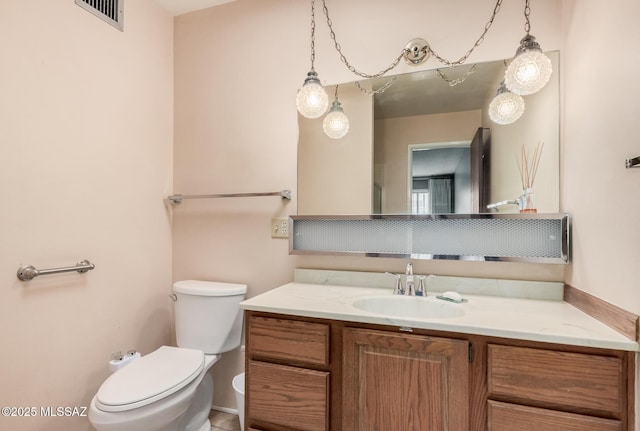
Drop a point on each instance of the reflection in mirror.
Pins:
(393, 161)
(440, 178)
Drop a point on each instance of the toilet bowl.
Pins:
(170, 389)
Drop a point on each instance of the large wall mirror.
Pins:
(426, 145)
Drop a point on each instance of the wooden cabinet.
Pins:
(288, 376)
(306, 374)
(396, 381)
(544, 389)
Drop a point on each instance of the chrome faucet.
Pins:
(520, 201)
(410, 287)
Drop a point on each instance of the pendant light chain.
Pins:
(456, 81)
(344, 59)
(527, 12)
(404, 52)
(478, 42)
(313, 33)
(379, 90)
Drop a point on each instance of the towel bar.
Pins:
(177, 199)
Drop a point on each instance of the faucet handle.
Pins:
(422, 284)
(422, 288)
(397, 290)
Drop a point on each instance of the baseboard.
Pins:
(225, 410)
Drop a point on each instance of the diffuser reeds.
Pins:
(528, 165)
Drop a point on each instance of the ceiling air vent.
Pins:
(109, 11)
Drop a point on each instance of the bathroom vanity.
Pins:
(316, 360)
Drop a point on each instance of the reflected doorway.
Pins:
(440, 178)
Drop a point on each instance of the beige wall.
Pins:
(238, 67)
(86, 152)
(601, 129)
(346, 187)
(235, 131)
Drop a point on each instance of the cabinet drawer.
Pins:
(573, 381)
(289, 396)
(289, 340)
(509, 417)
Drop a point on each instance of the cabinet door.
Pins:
(395, 381)
(509, 417)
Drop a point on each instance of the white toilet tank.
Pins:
(207, 315)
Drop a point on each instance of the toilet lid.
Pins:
(209, 288)
(150, 378)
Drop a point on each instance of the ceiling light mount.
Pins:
(417, 51)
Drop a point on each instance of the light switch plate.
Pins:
(280, 227)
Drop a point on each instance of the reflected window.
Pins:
(420, 202)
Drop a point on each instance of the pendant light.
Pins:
(312, 100)
(336, 123)
(530, 70)
(506, 107)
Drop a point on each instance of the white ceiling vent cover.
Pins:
(109, 11)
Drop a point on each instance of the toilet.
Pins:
(170, 389)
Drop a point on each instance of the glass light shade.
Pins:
(530, 70)
(312, 100)
(336, 123)
(506, 108)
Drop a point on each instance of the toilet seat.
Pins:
(150, 378)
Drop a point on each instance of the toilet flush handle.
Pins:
(173, 297)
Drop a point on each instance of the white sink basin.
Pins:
(409, 306)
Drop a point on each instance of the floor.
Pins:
(221, 421)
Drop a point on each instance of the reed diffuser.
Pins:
(528, 168)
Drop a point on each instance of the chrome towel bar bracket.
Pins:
(632, 163)
(28, 272)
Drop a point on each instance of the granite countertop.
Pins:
(546, 320)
